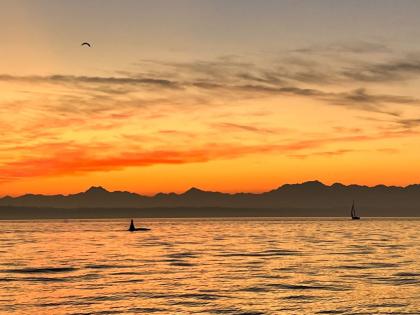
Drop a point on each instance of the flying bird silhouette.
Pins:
(86, 44)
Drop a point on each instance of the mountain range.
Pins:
(307, 199)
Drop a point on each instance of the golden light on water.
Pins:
(210, 266)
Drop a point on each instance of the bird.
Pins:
(85, 44)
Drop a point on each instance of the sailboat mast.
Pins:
(353, 212)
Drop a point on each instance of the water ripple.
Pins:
(223, 266)
(41, 270)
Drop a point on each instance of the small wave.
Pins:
(42, 279)
(405, 281)
(128, 273)
(90, 276)
(158, 296)
(355, 252)
(98, 313)
(6, 279)
(285, 269)
(129, 281)
(201, 296)
(308, 287)
(41, 270)
(64, 303)
(189, 303)
(387, 305)
(98, 266)
(373, 265)
(181, 264)
(300, 297)
(182, 255)
(179, 259)
(394, 280)
(331, 312)
(223, 311)
(145, 310)
(381, 265)
(272, 277)
(254, 289)
(103, 298)
(267, 253)
(407, 274)
(391, 246)
(354, 267)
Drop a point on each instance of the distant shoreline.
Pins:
(309, 199)
(28, 213)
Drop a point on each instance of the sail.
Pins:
(353, 210)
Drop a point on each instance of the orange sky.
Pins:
(243, 117)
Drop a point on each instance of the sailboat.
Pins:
(353, 213)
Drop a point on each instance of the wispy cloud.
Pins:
(233, 77)
(409, 123)
(71, 79)
(354, 47)
(390, 71)
(240, 127)
(323, 153)
(181, 112)
(73, 159)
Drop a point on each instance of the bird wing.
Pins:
(87, 44)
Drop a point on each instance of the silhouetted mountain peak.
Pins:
(305, 185)
(96, 190)
(193, 190)
(313, 183)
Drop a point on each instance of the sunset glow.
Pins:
(205, 99)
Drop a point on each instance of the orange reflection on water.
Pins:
(210, 267)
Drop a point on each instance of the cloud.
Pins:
(323, 153)
(362, 96)
(361, 99)
(339, 152)
(72, 79)
(389, 71)
(355, 99)
(172, 105)
(354, 47)
(75, 159)
(226, 126)
(342, 129)
(172, 132)
(290, 78)
(232, 77)
(79, 161)
(409, 123)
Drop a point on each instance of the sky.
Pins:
(221, 95)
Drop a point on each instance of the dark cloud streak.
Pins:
(390, 71)
(231, 76)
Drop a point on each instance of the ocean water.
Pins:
(211, 266)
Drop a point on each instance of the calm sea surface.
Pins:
(225, 266)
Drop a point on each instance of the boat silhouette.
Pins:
(353, 212)
(132, 227)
